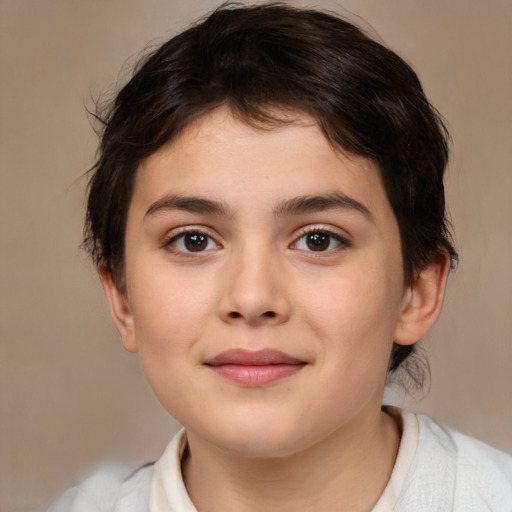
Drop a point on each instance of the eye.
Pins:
(319, 241)
(192, 241)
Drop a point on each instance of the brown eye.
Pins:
(192, 241)
(195, 242)
(318, 241)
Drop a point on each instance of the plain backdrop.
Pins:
(70, 397)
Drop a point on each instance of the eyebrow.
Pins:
(190, 204)
(294, 206)
(319, 203)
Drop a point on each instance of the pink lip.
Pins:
(254, 368)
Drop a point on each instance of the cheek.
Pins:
(355, 310)
(169, 319)
(169, 312)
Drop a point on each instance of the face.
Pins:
(264, 284)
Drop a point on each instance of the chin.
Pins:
(258, 439)
(260, 447)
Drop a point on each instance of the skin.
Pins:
(258, 282)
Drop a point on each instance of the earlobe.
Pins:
(119, 308)
(423, 301)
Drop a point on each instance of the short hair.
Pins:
(258, 60)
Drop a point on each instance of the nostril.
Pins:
(266, 314)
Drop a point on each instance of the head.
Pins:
(265, 63)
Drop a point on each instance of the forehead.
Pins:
(221, 136)
(219, 150)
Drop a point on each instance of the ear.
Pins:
(423, 301)
(119, 309)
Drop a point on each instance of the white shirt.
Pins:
(437, 470)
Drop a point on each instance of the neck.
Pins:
(347, 471)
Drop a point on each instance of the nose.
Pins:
(254, 290)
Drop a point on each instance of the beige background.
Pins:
(69, 397)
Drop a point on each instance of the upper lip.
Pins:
(245, 357)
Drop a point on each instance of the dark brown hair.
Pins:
(259, 60)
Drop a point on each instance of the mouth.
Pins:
(254, 368)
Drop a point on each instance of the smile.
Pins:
(254, 368)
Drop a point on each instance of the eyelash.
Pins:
(170, 241)
(342, 242)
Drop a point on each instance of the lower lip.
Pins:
(256, 376)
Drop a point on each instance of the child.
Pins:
(267, 217)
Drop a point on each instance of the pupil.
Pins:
(318, 241)
(195, 242)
